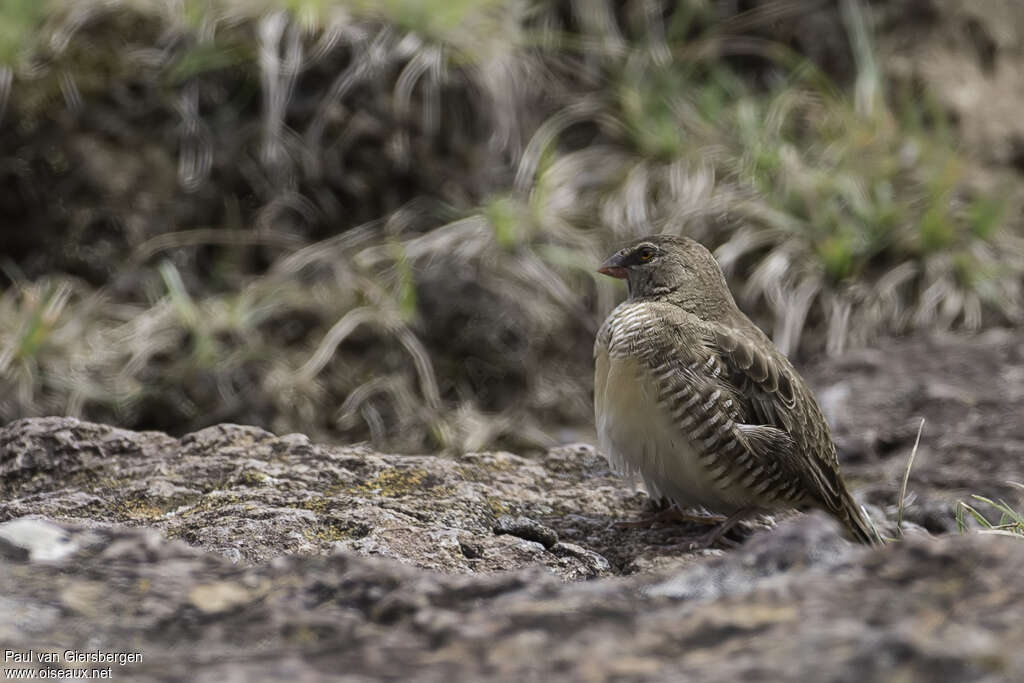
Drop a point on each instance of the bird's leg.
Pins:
(673, 513)
(715, 535)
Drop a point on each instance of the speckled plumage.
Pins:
(694, 398)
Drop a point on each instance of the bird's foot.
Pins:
(708, 540)
(717, 535)
(670, 514)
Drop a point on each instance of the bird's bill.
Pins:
(613, 267)
(613, 271)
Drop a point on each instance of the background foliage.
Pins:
(381, 220)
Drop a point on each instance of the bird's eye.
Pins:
(646, 254)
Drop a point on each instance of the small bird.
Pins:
(693, 397)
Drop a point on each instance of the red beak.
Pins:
(613, 267)
(613, 271)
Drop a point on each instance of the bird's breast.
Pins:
(639, 436)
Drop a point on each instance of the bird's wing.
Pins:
(765, 383)
(693, 387)
(775, 396)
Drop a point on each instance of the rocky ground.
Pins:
(234, 554)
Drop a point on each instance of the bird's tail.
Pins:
(858, 525)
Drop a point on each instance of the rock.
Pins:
(526, 528)
(795, 604)
(597, 564)
(36, 540)
(234, 554)
(967, 387)
(796, 545)
(251, 496)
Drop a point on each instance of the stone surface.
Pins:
(233, 554)
(969, 390)
(778, 609)
(251, 496)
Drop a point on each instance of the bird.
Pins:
(693, 397)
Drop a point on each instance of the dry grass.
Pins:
(901, 499)
(380, 220)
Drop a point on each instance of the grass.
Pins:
(21, 20)
(906, 479)
(968, 515)
(1010, 522)
(838, 218)
(381, 220)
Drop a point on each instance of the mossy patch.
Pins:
(499, 464)
(397, 482)
(138, 508)
(496, 506)
(209, 502)
(252, 478)
(332, 532)
(319, 504)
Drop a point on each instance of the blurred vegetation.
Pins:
(1009, 522)
(380, 220)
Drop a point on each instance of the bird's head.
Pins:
(676, 269)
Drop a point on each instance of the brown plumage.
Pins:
(694, 398)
